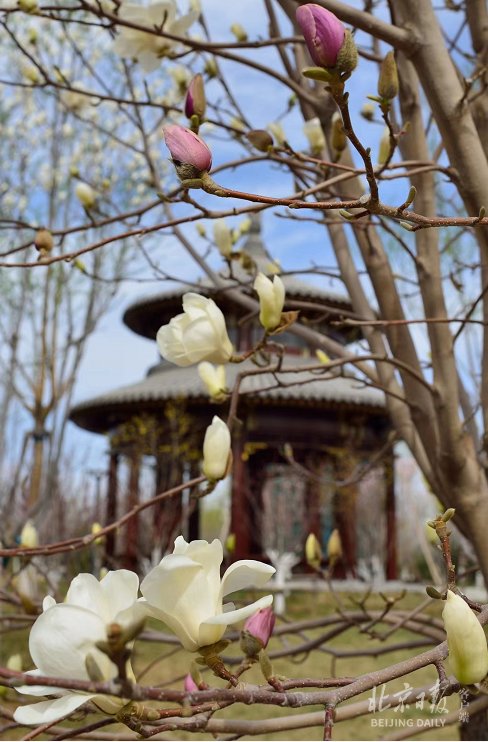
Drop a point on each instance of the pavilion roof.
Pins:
(165, 382)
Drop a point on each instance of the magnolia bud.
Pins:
(96, 528)
(14, 662)
(367, 111)
(245, 226)
(385, 147)
(29, 6)
(260, 139)
(334, 547)
(211, 68)
(85, 195)
(313, 131)
(230, 543)
(271, 300)
(195, 102)
(201, 230)
(30, 72)
(29, 538)
(43, 241)
(322, 357)
(190, 154)
(313, 552)
(278, 132)
(237, 124)
(257, 631)
(216, 450)
(338, 135)
(388, 79)
(189, 684)
(323, 33)
(214, 379)
(466, 641)
(222, 237)
(239, 32)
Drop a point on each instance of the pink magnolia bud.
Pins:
(187, 149)
(189, 684)
(323, 33)
(195, 102)
(261, 625)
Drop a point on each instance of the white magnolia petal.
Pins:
(38, 690)
(163, 584)
(47, 711)
(210, 633)
(61, 638)
(195, 304)
(181, 26)
(120, 588)
(175, 588)
(170, 344)
(245, 573)
(85, 591)
(149, 60)
(48, 602)
(208, 627)
(173, 623)
(184, 590)
(210, 557)
(200, 340)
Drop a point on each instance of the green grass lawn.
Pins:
(301, 606)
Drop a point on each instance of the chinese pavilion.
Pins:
(301, 442)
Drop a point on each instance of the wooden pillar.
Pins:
(131, 556)
(313, 497)
(391, 529)
(194, 519)
(111, 511)
(167, 513)
(240, 515)
(345, 513)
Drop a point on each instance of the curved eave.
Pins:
(168, 382)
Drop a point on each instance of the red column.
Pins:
(111, 511)
(131, 556)
(240, 525)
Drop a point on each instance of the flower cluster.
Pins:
(148, 47)
(184, 590)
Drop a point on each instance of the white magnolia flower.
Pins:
(222, 237)
(216, 450)
(199, 334)
(85, 195)
(149, 48)
(466, 640)
(65, 634)
(214, 379)
(271, 299)
(185, 591)
(313, 131)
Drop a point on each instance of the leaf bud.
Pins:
(338, 135)
(239, 32)
(260, 139)
(388, 78)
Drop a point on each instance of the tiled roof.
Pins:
(167, 381)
